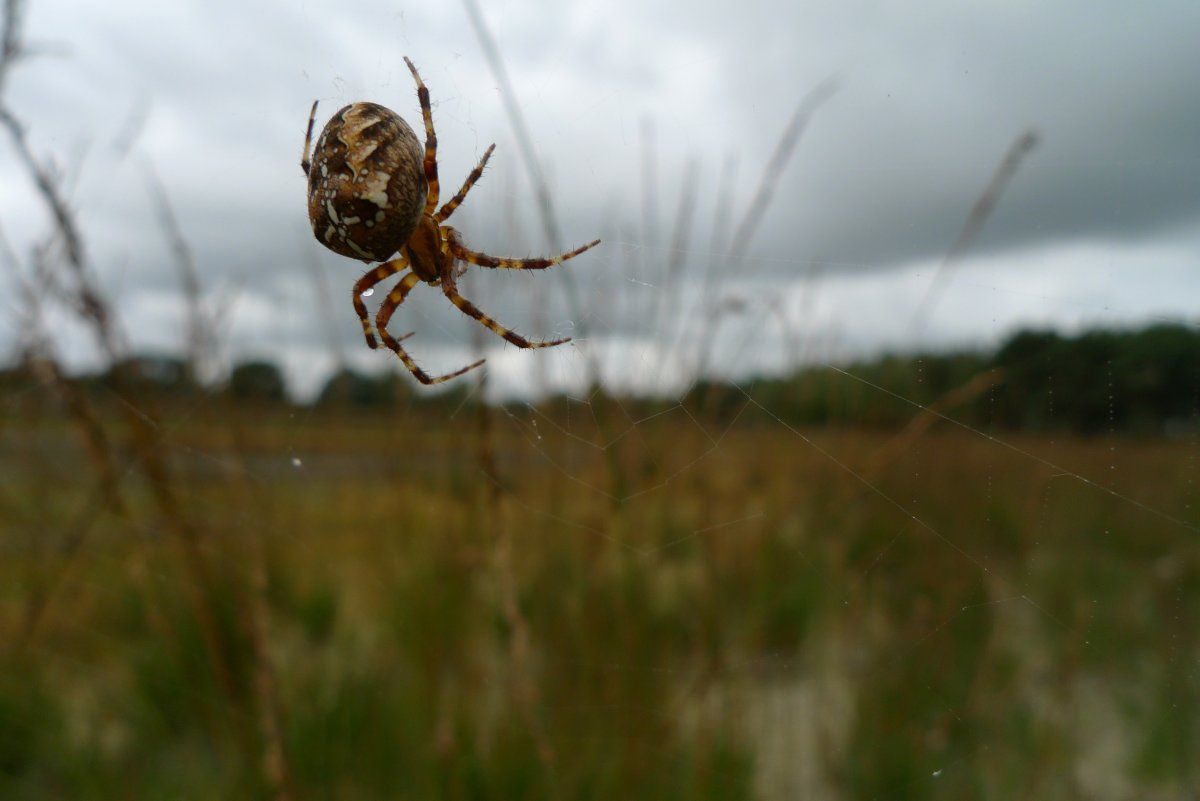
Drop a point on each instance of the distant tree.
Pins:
(151, 374)
(1025, 399)
(1104, 380)
(1100, 380)
(257, 381)
(349, 387)
(17, 378)
(1160, 366)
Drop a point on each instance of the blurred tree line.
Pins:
(1141, 381)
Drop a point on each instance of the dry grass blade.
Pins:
(718, 243)
(10, 49)
(759, 203)
(106, 494)
(925, 419)
(86, 296)
(520, 127)
(980, 212)
(649, 185)
(199, 335)
(537, 177)
(322, 295)
(778, 163)
(145, 438)
(677, 256)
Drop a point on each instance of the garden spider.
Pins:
(372, 194)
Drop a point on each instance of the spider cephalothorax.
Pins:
(373, 194)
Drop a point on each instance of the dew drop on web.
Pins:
(296, 462)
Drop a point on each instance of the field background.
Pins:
(564, 602)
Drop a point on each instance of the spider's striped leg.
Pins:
(453, 203)
(394, 299)
(312, 117)
(431, 170)
(460, 251)
(370, 279)
(450, 289)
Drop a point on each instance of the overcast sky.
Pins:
(1100, 224)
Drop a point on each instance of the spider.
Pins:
(373, 194)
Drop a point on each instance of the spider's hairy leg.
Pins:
(453, 203)
(431, 168)
(312, 117)
(370, 279)
(384, 316)
(450, 289)
(460, 251)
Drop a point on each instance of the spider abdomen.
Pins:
(366, 184)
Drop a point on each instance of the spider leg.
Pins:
(431, 169)
(460, 251)
(453, 203)
(450, 290)
(370, 279)
(312, 117)
(394, 299)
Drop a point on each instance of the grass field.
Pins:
(571, 605)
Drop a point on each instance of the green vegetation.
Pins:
(1104, 381)
(427, 601)
(1144, 381)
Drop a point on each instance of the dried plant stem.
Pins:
(537, 179)
(533, 167)
(916, 428)
(323, 299)
(519, 647)
(40, 361)
(106, 494)
(93, 308)
(718, 244)
(759, 203)
(784, 149)
(149, 452)
(257, 623)
(86, 297)
(274, 758)
(681, 232)
(1021, 147)
(10, 49)
(199, 336)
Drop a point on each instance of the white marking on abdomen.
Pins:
(360, 251)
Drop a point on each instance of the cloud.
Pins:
(930, 99)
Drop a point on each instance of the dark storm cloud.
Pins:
(931, 97)
(1109, 92)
